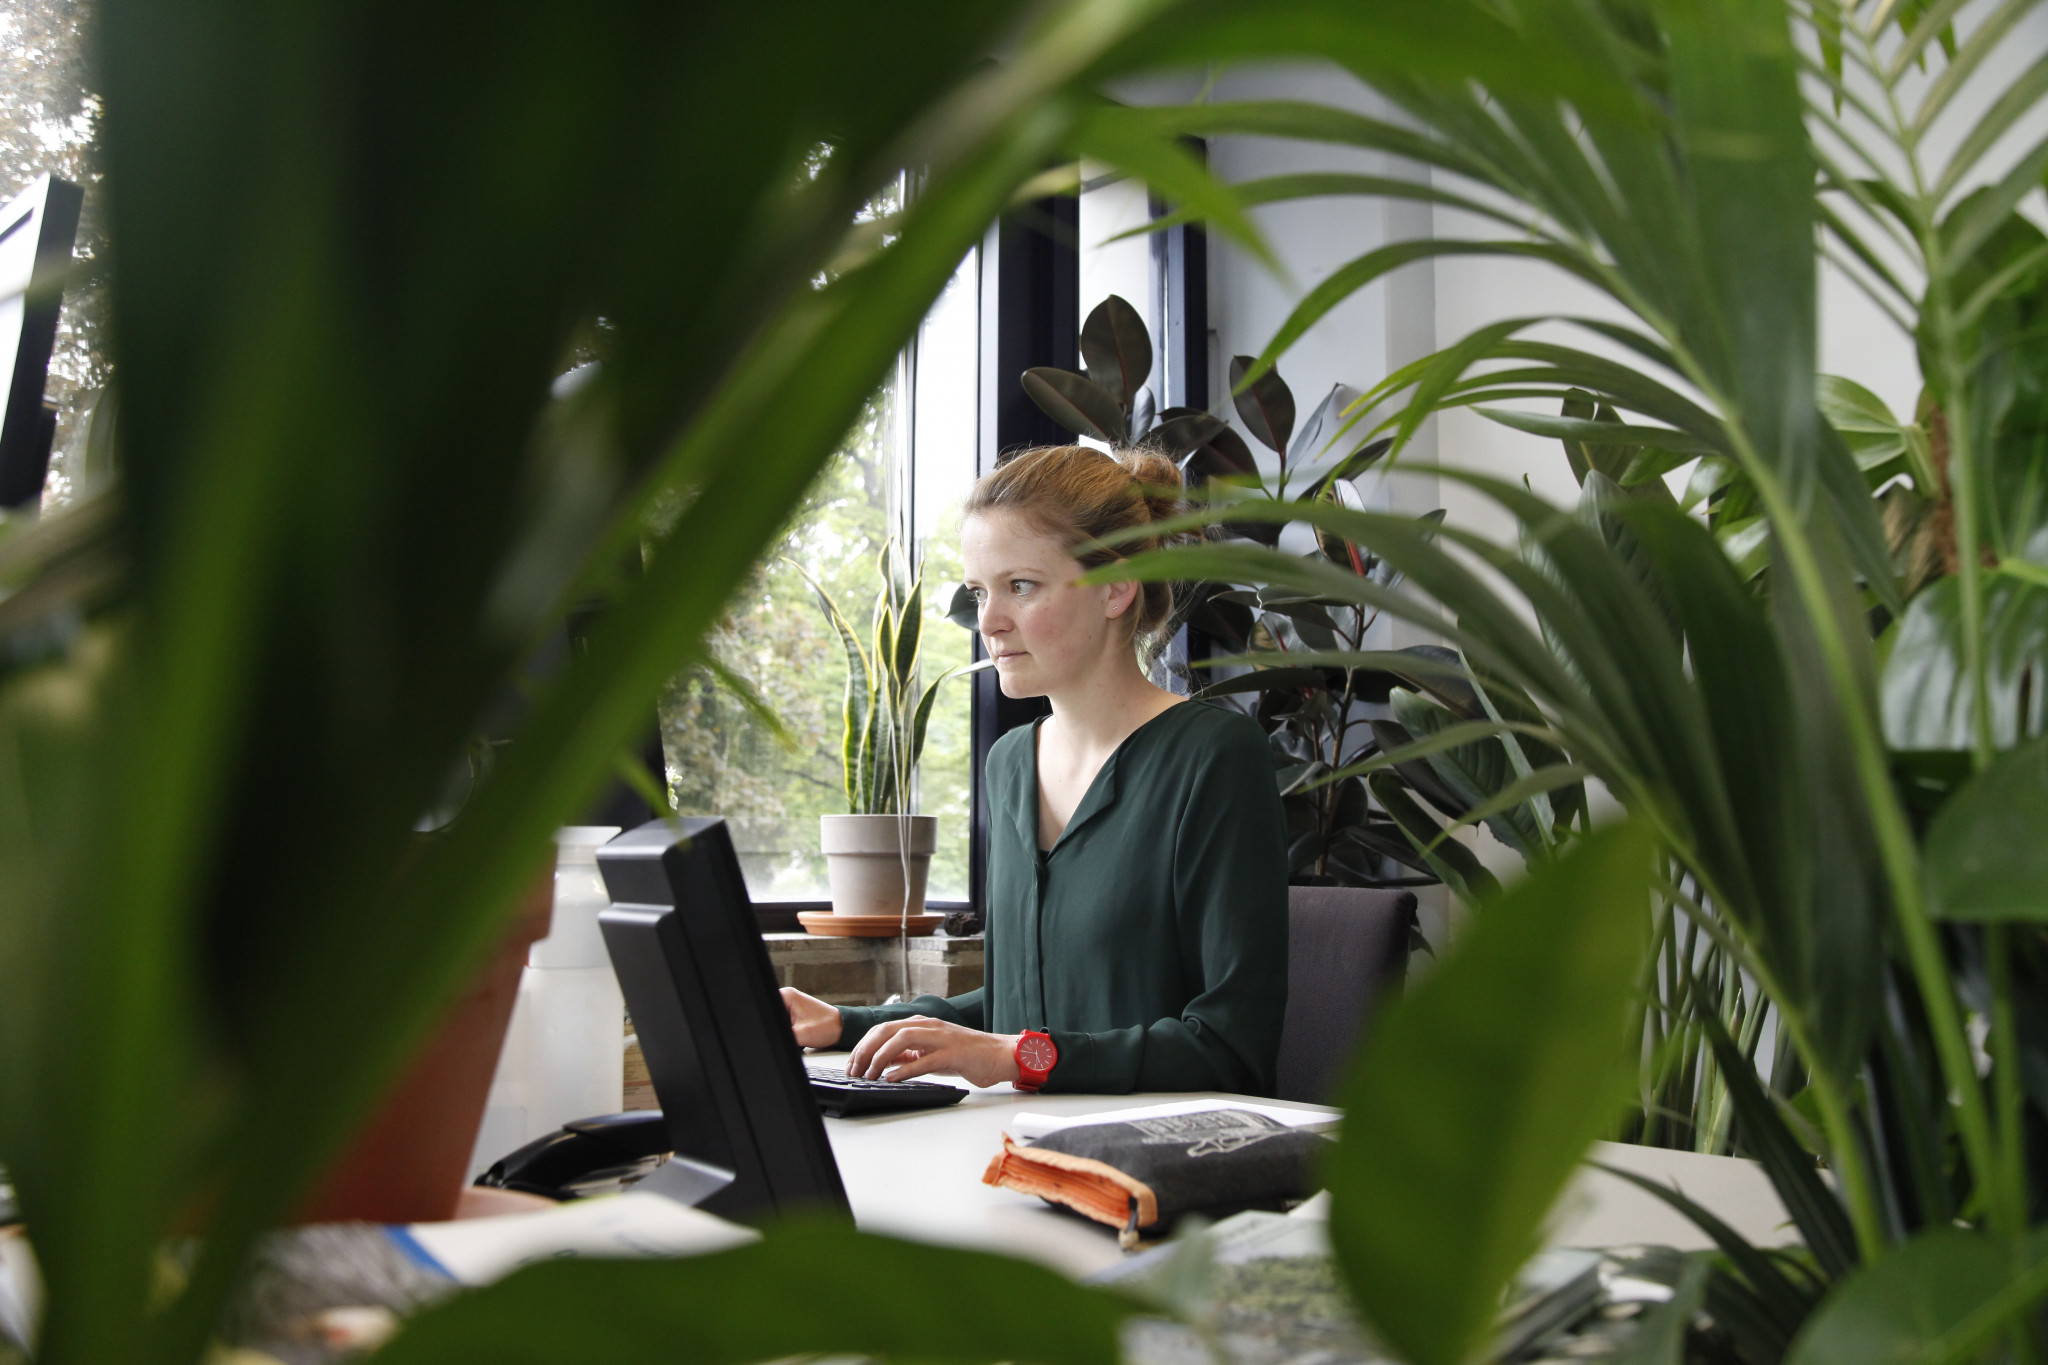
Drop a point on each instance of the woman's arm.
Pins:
(856, 1020)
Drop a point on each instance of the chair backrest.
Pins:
(1347, 946)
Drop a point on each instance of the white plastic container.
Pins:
(564, 1054)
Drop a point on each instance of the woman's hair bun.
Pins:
(1149, 466)
(1158, 479)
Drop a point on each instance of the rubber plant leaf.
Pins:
(1266, 405)
(1076, 403)
(1116, 350)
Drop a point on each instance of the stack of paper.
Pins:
(1028, 1125)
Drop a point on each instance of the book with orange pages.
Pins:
(1139, 1175)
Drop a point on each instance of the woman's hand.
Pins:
(815, 1023)
(919, 1046)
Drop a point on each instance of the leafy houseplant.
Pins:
(879, 853)
(1844, 834)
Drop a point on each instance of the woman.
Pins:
(1137, 869)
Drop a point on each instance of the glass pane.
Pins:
(776, 654)
(723, 757)
(945, 431)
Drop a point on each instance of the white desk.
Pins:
(918, 1176)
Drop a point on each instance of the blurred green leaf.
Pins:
(1281, 189)
(1740, 127)
(788, 1295)
(1938, 1300)
(1475, 1098)
(1987, 858)
(351, 509)
(1660, 1335)
(1132, 140)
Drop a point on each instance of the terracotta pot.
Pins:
(410, 1161)
(866, 857)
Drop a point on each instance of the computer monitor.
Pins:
(37, 229)
(698, 983)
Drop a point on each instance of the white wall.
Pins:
(1381, 327)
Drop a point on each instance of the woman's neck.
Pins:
(1099, 712)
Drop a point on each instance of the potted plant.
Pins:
(879, 853)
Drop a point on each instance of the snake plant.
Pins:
(885, 715)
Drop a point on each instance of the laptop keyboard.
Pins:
(841, 1095)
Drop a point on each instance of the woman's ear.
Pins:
(1121, 596)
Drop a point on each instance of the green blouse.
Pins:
(1151, 941)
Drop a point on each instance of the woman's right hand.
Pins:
(815, 1023)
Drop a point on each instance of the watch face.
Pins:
(1036, 1053)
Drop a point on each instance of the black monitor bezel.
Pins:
(702, 993)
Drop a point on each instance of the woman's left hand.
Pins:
(922, 1046)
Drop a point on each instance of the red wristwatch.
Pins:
(1036, 1057)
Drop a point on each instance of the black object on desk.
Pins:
(738, 1106)
(586, 1155)
(702, 993)
(843, 1096)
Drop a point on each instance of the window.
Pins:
(755, 736)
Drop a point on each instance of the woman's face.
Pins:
(1043, 630)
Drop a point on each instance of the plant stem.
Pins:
(2009, 1210)
(1930, 968)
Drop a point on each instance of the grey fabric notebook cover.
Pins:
(1218, 1159)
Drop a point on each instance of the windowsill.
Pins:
(780, 917)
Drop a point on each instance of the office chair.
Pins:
(1347, 947)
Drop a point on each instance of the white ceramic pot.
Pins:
(867, 858)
